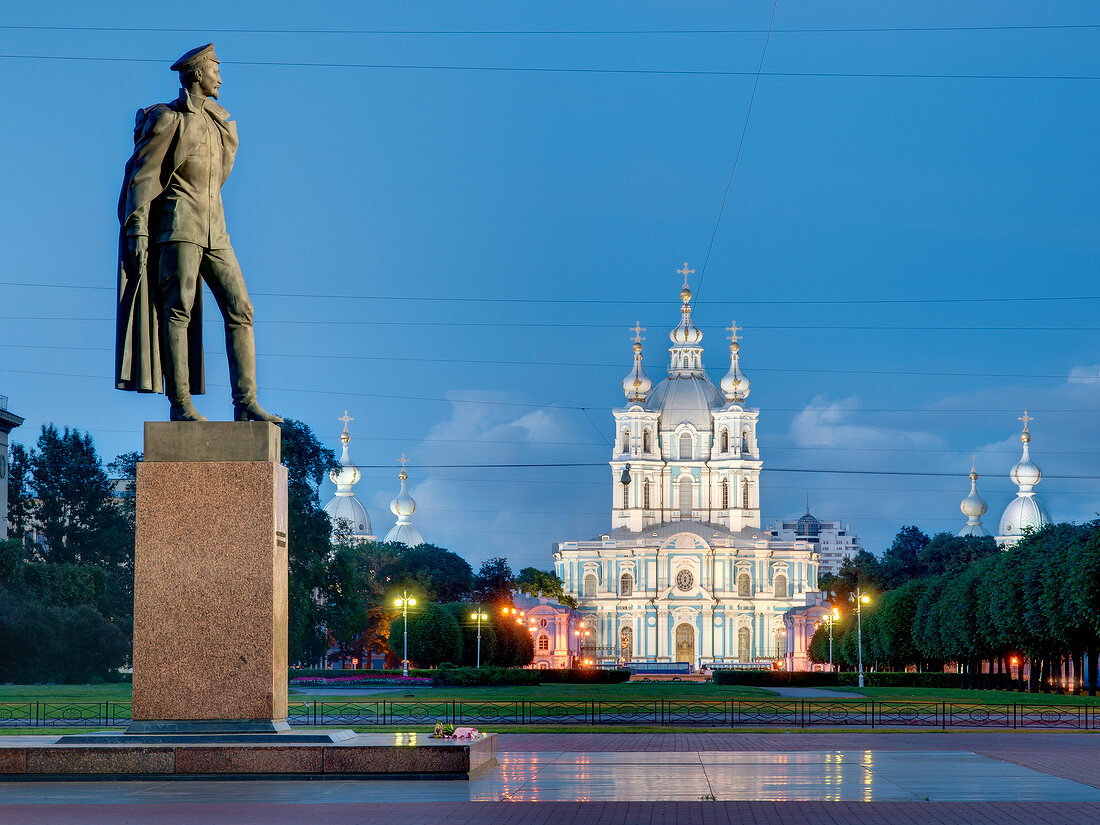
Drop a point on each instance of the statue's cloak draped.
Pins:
(164, 136)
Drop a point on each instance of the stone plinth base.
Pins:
(210, 578)
(367, 756)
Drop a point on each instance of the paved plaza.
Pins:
(894, 778)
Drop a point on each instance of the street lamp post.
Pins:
(480, 617)
(405, 602)
(860, 598)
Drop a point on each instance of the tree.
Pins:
(79, 520)
(515, 647)
(901, 561)
(20, 496)
(436, 573)
(495, 582)
(434, 635)
(534, 582)
(948, 553)
(462, 612)
(862, 570)
(309, 538)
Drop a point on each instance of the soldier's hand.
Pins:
(139, 250)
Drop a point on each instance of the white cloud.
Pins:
(824, 423)
(1085, 375)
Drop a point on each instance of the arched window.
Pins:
(745, 440)
(744, 585)
(745, 495)
(590, 586)
(780, 586)
(624, 447)
(685, 446)
(626, 643)
(725, 440)
(646, 445)
(544, 642)
(626, 585)
(626, 496)
(685, 497)
(725, 494)
(646, 502)
(744, 645)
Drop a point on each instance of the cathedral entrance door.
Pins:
(685, 643)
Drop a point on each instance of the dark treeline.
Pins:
(66, 574)
(962, 600)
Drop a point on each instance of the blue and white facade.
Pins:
(686, 574)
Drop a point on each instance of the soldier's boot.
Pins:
(177, 378)
(241, 349)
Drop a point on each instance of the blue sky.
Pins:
(454, 255)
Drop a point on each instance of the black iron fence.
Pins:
(743, 713)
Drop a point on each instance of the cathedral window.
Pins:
(744, 644)
(781, 586)
(624, 446)
(544, 642)
(626, 585)
(745, 441)
(744, 585)
(646, 445)
(626, 496)
(646, 502)
(725, 494)
(626, 644)
(725, 441)
(684, 580)
(745, 495)
(685, 446)
(590, 586)
(685, 498)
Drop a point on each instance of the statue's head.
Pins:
(199, 67)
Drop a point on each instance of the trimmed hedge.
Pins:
(782, 678)
(295, 672)
(582, 676)
(482, 676)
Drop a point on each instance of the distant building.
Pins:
(1026, 511)
(973, 507)
(403, 506)
(8, 422)
(559, 634)
(832, 540)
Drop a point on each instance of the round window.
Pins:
(684, 580)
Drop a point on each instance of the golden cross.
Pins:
(733, 329)
(638, 329)
(685, 272)
(1025, 418)
(971, 462)
(345, 418)
(403, 461)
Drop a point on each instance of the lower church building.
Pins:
(686, 574)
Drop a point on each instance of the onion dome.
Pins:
(344, 506)
(685, 334)
(1026, 510)
(735, 386)
(404, 506)
(637, 384)
(973, 507)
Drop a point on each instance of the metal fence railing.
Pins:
(730, 713)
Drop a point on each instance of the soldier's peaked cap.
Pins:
(195, 57)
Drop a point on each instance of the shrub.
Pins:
(782, 678)
(482, 676)
(296, 672)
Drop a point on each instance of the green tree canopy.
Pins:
(495, 582)
(434, 635)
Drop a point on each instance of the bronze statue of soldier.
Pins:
(172, 234)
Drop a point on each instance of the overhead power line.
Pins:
(344, 296)
(566, 69)
(559, 32)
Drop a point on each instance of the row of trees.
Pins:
(964, 600)
(66, 576)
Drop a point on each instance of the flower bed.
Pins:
(443, 731)
(360, 681)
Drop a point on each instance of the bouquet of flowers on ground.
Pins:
(443, 731)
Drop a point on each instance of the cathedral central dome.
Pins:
(686, 400)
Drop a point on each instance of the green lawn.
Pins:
(1004, 697)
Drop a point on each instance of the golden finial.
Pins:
(733, 338)
(973, 472)
(1025, 436)
(403, 475)
(638, 329)
(344, 437)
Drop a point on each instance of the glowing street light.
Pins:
(860, 598)
(829, 619)
(405, 602)
(480, 617)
